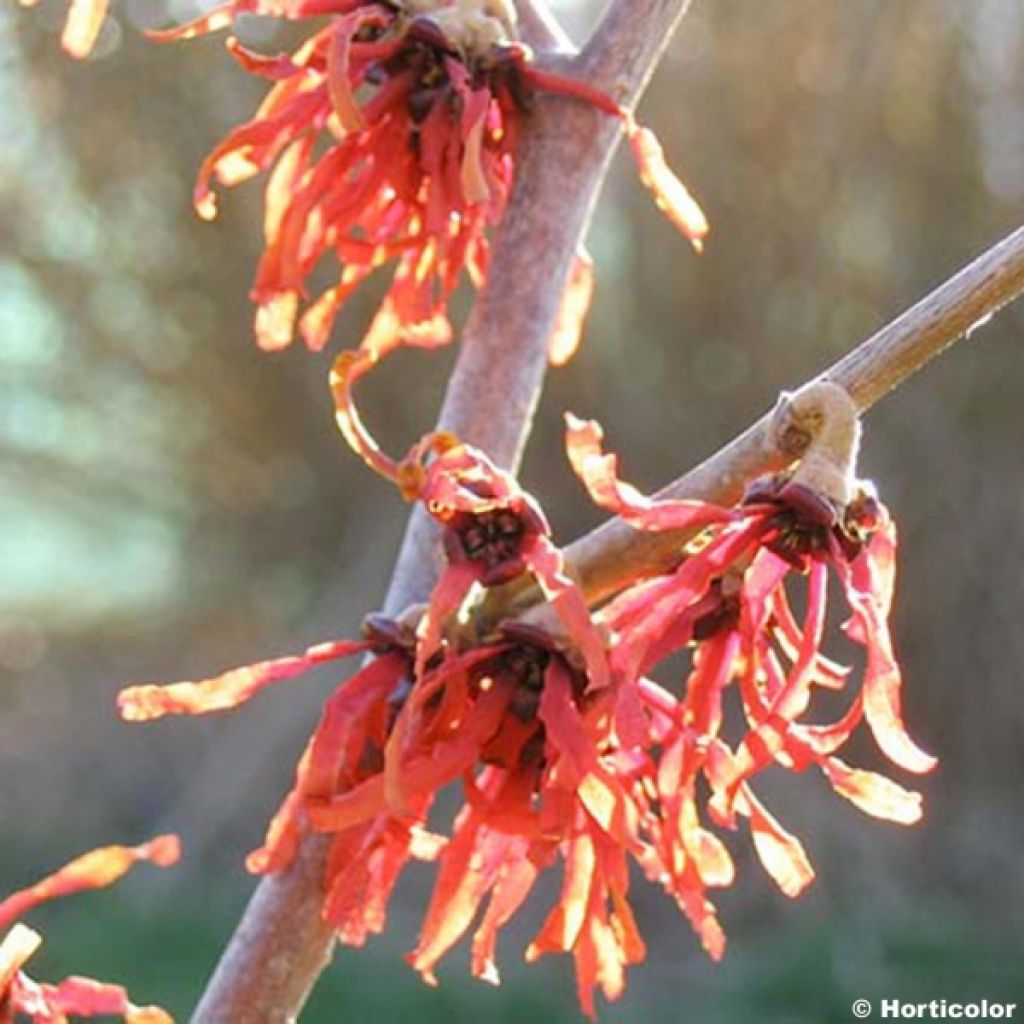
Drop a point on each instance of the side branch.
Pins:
(613, 554)
(624, 49)
(540, 29)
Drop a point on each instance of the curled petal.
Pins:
(600, 475)
(348, 368)
(826, 739)
(545, 560)
(572, 310)
(150, 701)
(873, 794)
(883, 687)
(85, 19)
(213, 21)
(94, 870)
(275, 68)
(671, 195)
(782, 854)
(339, 82)
(573, 87)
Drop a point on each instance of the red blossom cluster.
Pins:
(728, 602)
(20, 996)
(565, 748)
(392, 135)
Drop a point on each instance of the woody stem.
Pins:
(540, 29)
(614, 554)
(824, 412)
(282, 944)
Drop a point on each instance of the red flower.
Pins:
(529, 727)
(567, 751)
(493, 532)
(419, 104)
(78, 997)
(728, 601)
(533, 743)
(534, 747)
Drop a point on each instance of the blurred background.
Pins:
(174, 502)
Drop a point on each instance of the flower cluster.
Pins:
(22, 997)
(566, 749)
(392, 135)
(728, 603)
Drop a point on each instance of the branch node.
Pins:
(819, 424)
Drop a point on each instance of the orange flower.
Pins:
(533, 745)
(528, 727)
(77, 997)
(392, 134)
(728, 602)
(521, 726)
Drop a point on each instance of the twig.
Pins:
(609, 557)
(627, 44)
(281, 944)
(540, 29)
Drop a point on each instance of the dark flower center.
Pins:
(794, 537)
(808, 525)
(492, 538)
(522, 667)
(525, 667)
